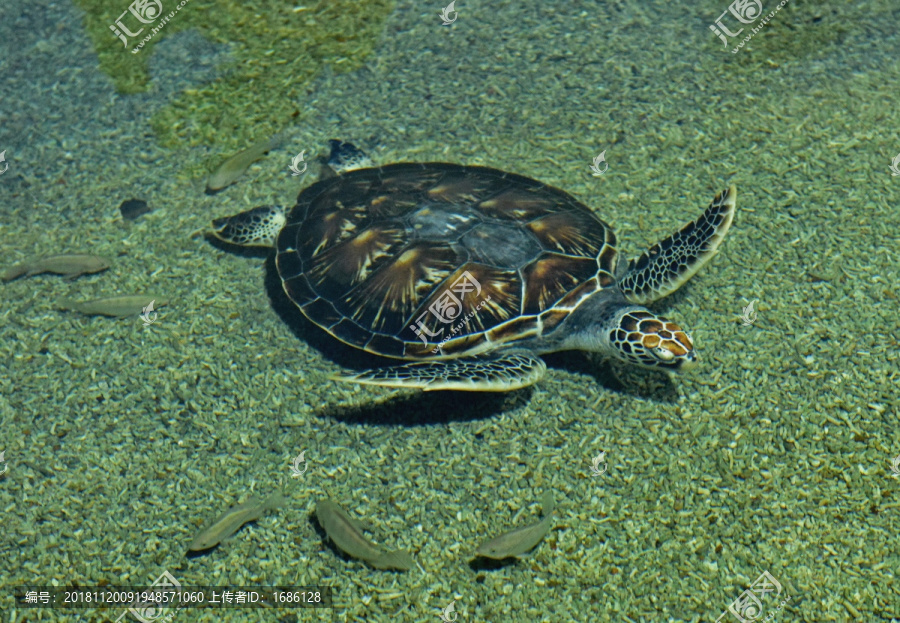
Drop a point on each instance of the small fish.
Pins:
(231, 520)
(517, 542)
(133, 209)
(232, 168)
(348, 537)
(115, 306)
(71, 265)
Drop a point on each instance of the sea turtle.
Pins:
(470, 273)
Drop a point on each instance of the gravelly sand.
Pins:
(121, 440)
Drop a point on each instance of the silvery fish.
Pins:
(235, 166)
(231, 520)
(115, 306)
(521, 540)
(348, 537)
(69, 264)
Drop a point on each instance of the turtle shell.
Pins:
(435, 260)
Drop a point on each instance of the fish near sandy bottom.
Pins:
(231, 521)
(228, 172)
(515, 543)
(132, 209)
(114, 306)
(348, 537)
(71, 265)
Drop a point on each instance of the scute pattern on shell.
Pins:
(419, 261)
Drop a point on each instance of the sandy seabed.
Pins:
(122, 440)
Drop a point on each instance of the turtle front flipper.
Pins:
(501, 372)
(256, 227)
(665, 266)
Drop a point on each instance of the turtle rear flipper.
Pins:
(502, 372)
(667, 265)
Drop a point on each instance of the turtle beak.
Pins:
(670, 344)
(688, 362)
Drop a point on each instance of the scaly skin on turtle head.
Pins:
(256, 227)
(609, 325)
(634, 334)
(346, 156)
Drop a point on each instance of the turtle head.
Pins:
(607, 324)
(346, 156)
(257, 227)
(634, 334)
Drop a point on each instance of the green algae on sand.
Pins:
(278, 48)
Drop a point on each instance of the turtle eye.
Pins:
(664, 354)
(674, 347)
